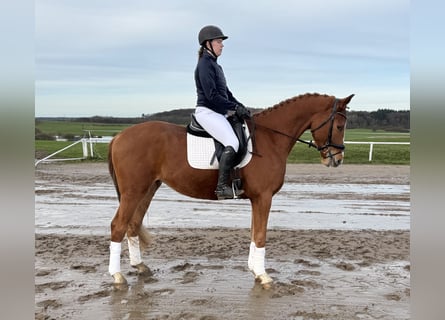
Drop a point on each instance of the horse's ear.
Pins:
(348, 99)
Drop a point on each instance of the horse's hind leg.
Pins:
(119, 226)
(137, 231)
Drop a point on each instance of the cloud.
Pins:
(146, 50)
(85, 25)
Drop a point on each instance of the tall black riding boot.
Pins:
(223, 188)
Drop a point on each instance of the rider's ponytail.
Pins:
(200, 52)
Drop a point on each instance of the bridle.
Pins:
(331, 119)
(328, 144)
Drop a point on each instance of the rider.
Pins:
(215, 103)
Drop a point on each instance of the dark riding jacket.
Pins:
(211, 86)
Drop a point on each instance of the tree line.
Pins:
(382, 119)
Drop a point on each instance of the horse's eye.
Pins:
(340, 128)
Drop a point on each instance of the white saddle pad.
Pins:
(200, 152)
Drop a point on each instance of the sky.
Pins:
(128, 58)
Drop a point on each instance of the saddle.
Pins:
(240, 129)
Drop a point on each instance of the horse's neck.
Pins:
(291, 118)
(287, 122)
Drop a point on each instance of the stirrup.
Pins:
(237, 188)
(224, 192)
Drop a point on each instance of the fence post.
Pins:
(84, 148)
(371, 145)
(91, 147)
(91, 143)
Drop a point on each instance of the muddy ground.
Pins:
(201, 273)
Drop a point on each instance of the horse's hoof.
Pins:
(265, 280)
(143, 269)
(119, 279)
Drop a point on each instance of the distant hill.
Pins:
(382, 119)
(178, 116)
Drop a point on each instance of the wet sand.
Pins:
(201, 273)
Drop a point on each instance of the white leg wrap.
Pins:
(115, 258)
(134, 250)
(258, 261)
(251, 251)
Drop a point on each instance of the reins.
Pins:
(309, 143)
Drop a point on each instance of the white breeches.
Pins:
(217, 126)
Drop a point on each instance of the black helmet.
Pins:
(210, 33)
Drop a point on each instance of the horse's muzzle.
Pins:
(332, 159)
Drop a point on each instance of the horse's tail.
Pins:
(111, 170)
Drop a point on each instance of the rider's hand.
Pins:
(242, 112)
(230, 113)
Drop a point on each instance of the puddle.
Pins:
(89, 209)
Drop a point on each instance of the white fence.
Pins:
(371, 145)
(84, 151)
(87, 148)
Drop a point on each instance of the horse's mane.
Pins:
(290, 100)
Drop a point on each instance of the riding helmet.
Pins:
(210, 33)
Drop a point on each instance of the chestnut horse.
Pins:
(144, 156)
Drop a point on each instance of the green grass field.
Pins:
(354, 153)
(359, 153)
(60, 128)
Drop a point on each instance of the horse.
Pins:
(145, 155)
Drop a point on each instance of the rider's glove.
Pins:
(242, 112)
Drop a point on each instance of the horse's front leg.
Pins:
(257, 252)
